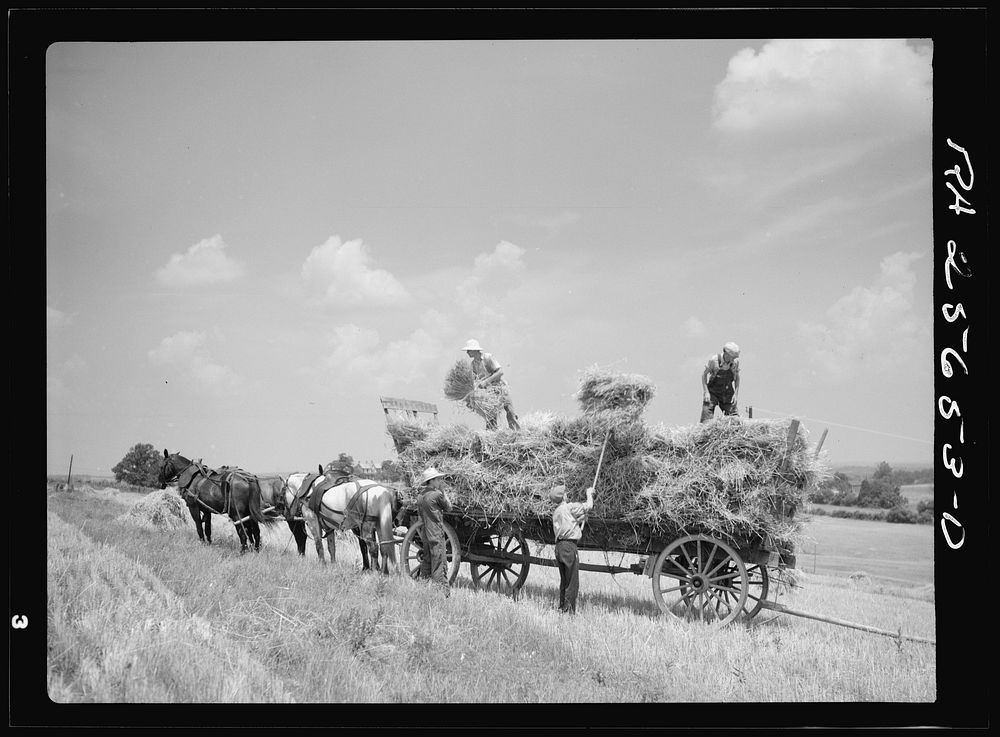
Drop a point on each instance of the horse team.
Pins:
(314, 505)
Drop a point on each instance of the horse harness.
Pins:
(222, 478)
(312, 493)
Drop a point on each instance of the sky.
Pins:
(249, 243)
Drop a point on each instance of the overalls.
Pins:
(434, 562)
(720, 393)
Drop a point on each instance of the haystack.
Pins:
(158, 510)
(731, 478)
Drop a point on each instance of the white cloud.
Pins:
(693, 327)
(358, 351)
(203, 263)
(810, 86)
(871, 328)
(185, 352)
(505, 257)
(493, 274)
(177, 349)
(343, 274)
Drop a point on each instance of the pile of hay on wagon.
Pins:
(728, 478)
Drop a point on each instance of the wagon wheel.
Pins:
(505, 576)
(411, 550)
(758, 583)
(702, 578)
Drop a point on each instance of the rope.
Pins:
(849, 427)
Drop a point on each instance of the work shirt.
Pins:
(485, 366)
(568, 519)
(432, 505)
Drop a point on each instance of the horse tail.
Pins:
(254, 501)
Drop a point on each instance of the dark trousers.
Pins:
(568, 560)
(725, 401)
(434, 559)
(512, 423)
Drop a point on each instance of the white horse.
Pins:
(358, 503)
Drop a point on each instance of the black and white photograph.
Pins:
(501, 358)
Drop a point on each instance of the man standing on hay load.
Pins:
(432, 503)
(567, 524)
(720, 382)
(489, 374)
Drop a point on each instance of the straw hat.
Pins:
(556, 493)
(472, 345)
(430, 473)
(732, 348)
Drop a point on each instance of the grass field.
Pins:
(139, 615)
(885, 551)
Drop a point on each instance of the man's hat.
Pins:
(472, 345)
(430, 473)
(557, 493)
(732, 348)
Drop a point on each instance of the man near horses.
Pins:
(489, 374)
(432, 503)
(568, 519)
(720, 382)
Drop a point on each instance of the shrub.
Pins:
(901, 513)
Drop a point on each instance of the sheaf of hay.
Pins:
(460, 387)
(602, 389)
(159, 510)
(731, 478)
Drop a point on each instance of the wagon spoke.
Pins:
(506, 547)
(672, 589)
(718, 600)
(725, 577)
(736, 592)
(688, 556)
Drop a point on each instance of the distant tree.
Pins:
(919, 476)
(345, 458)
(139, 467)
(883, 471)
(834, 490)
(390, 471)
(880, 492)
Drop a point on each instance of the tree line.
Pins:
(881, 491)
(140, 466)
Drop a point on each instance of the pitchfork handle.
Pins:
(601, 459)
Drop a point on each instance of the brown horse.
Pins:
(227, 491)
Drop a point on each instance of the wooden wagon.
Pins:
(694, 576)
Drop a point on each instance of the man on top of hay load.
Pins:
(432, 503)
(567, 524)
(489, 373)
(720, 382)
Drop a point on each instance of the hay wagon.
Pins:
(694, 576)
